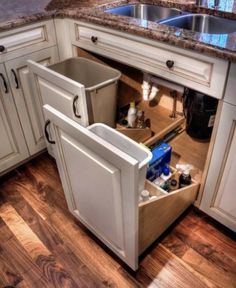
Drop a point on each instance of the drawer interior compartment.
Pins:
(157, 214)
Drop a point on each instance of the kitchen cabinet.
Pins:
(219, 192)
(27, 39)
(13, 148)
(103, 173)
(37, 42)
(26, 102)
(190, 69)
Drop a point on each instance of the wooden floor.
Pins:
(41, 245)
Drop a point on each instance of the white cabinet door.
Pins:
(13, 147)
(219, 198)
(25, 97)
(60, 92)
(100, 184)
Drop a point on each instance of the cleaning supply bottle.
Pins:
(132, 115)
(185, 177)
(140, 119)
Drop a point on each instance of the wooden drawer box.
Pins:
(156, 215)
(202, 73)
(27, 39)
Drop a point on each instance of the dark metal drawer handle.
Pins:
(4, 83)
(94, 39)
(47, 123)
(16, 79)
(74, 106)
(170, 64)
(2, 48)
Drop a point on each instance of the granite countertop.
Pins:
(15, 13)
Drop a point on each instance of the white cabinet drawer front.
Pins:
(60, 92)
(192, 70)
(27, 39)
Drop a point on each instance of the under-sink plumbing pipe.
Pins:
(167, 84)
(146, 86)
(150, 86)
(149, 91)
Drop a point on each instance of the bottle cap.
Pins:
(186, 172)
(139, 113)
(173, 182)
(145, 193)
(166, 170)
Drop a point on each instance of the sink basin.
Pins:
(202, 23)
(145, 12)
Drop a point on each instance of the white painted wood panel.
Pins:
(230, 92)
(60, 92)
(219, 191)
(13, 147)
(27, 39)
(194, 70)
(25, 96)
(226, 195)
(100, 183)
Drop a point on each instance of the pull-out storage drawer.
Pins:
(27, 39)
(159, 213)
(202, 73)
(103, 173)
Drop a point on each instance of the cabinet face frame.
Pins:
(14, 149)
(219, 184)
(25, 95)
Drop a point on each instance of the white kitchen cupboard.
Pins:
(103, 173)
(38, 42)
(24, 97)
(27, 39)
(190, 69)
(13, 147)
(219, 197)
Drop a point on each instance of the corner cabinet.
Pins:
(13, 147)
(219, 192)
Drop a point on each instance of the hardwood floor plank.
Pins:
(56, 246)
(206, 249)
(89, 251)
(28, 239)
(213, 236)
(8, 272)
(13, 252)
(209, 271)
(167, 270)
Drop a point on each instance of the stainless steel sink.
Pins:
(202, 23)
(145, 12)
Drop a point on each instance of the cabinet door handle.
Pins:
(4, 83)
(2, 48)
(47, 123)
(15, 77)
(170, 64)
(74, 106)
(94, 39)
